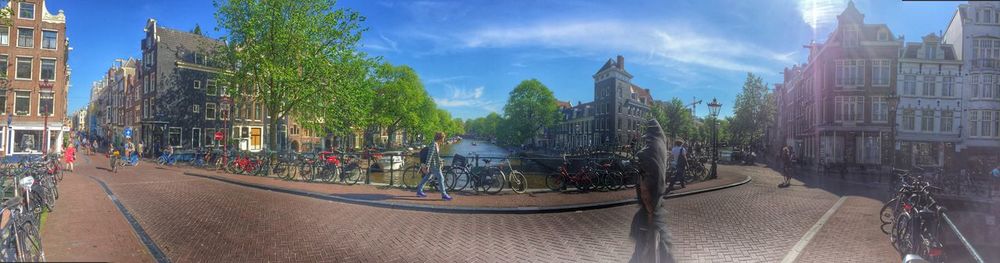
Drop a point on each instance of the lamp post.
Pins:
(713, 108)
(45, 86)
(893, 101)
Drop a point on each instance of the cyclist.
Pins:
(168, 152)
(129, 151)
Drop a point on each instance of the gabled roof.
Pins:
(607, 65)
(851, 14)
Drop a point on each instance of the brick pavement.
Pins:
(86, 226)
(462, 199)
(203, 220)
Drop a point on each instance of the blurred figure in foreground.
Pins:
(649, 225)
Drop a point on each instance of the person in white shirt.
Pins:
(679, 162)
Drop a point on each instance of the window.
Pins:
(196, 137)
(987, 120)
(930, 51)
(209, 111)
(850, 72)
(195, 108)
(973, 123)
(908, 119)
(22, 102)
(48, 69)
(175, 136)
(3, 66)
(25, 37)
(930, 88)
(947, 120)
(5, 36)
(197, 84)
(49, 39)
(210, 89)
(849, 108)
(927, 121)
(26, 11)
(880, 109)
(987, 85)
(974, 85)
(851, 36)
(3, 104)
(948, 86)
(45, 104)
(23, 70)
(210, 136)
(880, 72)
(910, 85)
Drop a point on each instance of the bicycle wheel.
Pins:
(554, 181)
(614, 181)
(494, 178)
(888, 212)
(600, 180)
(355, 174)
(518, 182)
(585, 182)
(461, 179)
(449, 180)
(411, 177)
(29, 242)
(901, 234)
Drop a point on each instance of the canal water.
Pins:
(471, 148)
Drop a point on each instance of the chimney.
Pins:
(621, 62)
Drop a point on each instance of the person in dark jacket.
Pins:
(649, 225)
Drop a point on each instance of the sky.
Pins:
(471, 54)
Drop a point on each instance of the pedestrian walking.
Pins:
(70, 156)
(433, 168)
(140, 150)
(786, 166)
(679, 155)
(649, 225)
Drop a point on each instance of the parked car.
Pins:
(390, 160)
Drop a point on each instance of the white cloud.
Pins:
(473, 98)
(655, 41)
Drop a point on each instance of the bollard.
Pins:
(368, 172)
(392, 174)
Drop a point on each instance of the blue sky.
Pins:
(470, 54)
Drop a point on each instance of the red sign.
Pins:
(218, 136)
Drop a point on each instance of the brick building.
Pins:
(34, 53)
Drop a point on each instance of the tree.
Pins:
(196, 30)
(674, 118)
(753, 112)
(530, 108)
(400, 95)
(296, 57)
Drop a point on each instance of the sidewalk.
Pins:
(86, 225)
(391, 197)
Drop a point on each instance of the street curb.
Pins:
(147, 241)
(460, 209)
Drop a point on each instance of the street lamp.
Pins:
(46, 87)
(893, 101)
(713, 108)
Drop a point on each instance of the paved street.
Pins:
(197, 219)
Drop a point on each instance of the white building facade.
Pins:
(929, 86)
(974, 31)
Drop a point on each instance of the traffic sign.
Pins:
(218, 136)
(128, 132)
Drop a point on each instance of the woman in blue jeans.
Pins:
(433, 168)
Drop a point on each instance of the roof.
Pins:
(564, 104)
(607, 65)
(185, 41)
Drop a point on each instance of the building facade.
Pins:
(929, 86)
(183, 104)
(836, 103)
(34, 52)
(974, 32)
(615, 118)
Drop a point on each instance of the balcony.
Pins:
(986, 63)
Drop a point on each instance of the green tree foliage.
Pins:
(197, 29)
(296, 57)
(752, 113)
(674, 118)
(530, 108)
(484, 127)
(399, 98)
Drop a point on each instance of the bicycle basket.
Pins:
(459, 160)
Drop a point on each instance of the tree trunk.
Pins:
(272, 144)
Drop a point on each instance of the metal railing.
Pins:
(965, 242)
